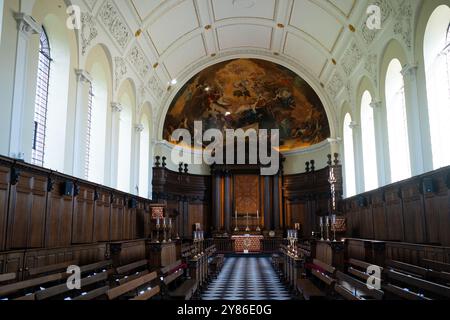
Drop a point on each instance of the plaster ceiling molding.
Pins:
(90, 3)
(335, 85)
(352, 57)
(402, 27)
(110, 17)
(120, 70)
(88, 31)
(138, 60)
(155, 87)
(386, 11)
(371, 66)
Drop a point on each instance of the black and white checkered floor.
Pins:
(247, 278)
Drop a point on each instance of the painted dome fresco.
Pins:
(251, 93)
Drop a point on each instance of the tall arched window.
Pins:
(349, 164)
(144, 159)
(41, 101)
(397, 123)
(368, 143)
(437, 68)
(124, 156)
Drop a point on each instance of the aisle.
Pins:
(247, 278)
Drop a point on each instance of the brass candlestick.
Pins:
(158, 227)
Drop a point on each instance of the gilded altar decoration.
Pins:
(340, 225)
(157, 213)
(251, 93)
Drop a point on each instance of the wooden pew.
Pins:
(28, 285)
(419, 287)
(62, 289)
(131, 272)
(436, 265)
(352, 289)
(358, 269)
(7, 277)
(170, 275)
(216, 265)
(133, 289)
(407, 268)
(51, 269)
(92, 279)
(325, 280)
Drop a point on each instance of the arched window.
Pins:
(41, 101)
(368, 143)
(349, 156)
(144, 158)
(437, 68)
(124, 156)
(397, 123)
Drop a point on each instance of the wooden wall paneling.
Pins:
(127, 221)
(5, 177)
(437, 212)
(14, 263)
(394, 214)
(356, 220)
(102, 215)
(196, 214)
(83, 215)
(117, 217)
(367, 222)
(58, 231)
(2, 263)
(143, 220)
(379, 216)
(87, 254)
(125, 252)
(27, 205)
(415, 224)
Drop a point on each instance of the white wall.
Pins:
(1, 19)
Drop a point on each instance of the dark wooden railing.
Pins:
(224, 245)
(271, 245)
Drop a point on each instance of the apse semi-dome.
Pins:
(250, 93)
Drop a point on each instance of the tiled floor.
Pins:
(247, 278)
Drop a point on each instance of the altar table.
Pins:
(251, 243)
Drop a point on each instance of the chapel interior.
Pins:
(349, 201)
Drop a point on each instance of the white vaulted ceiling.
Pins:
(323, 40)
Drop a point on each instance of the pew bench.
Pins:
(352, 289)
(405, 286)
(140, 288)
(29, 287)
(129, 272)
(94, 275)
(320, 285)
(436, 265)
(170, 275)
(358, 269)
(7, 278)
(186, 291)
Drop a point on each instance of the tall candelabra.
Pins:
(321, 228)
(333, 224)
(292, 237)
(199, 238)
(327, 227)
(158, 228)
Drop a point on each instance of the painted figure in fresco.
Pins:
(245, 93)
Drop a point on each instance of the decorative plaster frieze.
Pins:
(88, 31)
(110, 16)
